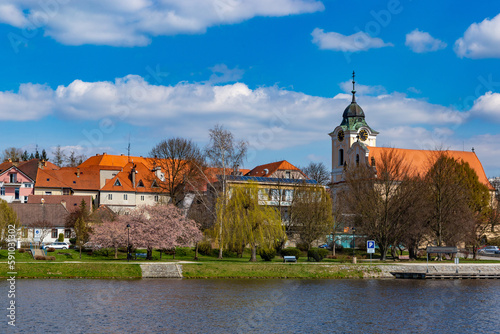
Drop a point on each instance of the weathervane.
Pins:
(353, 88)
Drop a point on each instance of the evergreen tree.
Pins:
(44, 156)
(25, 156)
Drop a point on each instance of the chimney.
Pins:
(63, 202)
(78, 172)
(133, 176)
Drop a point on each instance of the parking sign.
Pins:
(370, 246)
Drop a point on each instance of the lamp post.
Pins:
(128, 242)
(353, 242)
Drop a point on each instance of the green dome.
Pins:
(353, 110)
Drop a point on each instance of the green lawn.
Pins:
(44, 269)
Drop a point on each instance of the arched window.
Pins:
(341, 157)
(357, 159)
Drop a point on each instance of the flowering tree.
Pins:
(160, 226)
(109, 234)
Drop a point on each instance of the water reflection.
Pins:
(260, 306)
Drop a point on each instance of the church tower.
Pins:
(351, 139)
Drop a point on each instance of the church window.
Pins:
(357, 159)
(341, 157)
(373, 162)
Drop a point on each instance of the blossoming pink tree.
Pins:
(160, 226)
(109, 234)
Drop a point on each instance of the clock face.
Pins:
(340, 135)
(363, 135)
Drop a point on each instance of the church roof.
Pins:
(421, 160)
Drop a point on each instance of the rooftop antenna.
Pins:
(353, 88)
(128, 148)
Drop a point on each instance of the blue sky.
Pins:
(90, 75)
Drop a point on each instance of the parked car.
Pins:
(57, 245)
(490, 250)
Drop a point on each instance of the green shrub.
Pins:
(302, 246)
(291, 252)
(225, 253)
(316, 254)
(205, 248)
(72, 241)
(50, 249)
(267, 254)
(61, 237)
(21, 250)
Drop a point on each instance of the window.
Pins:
(110, 197)
(287, 174)
(156, 198)
(24, 232)
(48, 193)
(140, 184)
(54, 233)
(2, 191)
(125, 197)
(16, 193)
(28, 185)
(13, 178)
(142, 197)
(341, 157)
(66, 191)
(117, 183)
(67, 233)
(25, 199)
(357, 159)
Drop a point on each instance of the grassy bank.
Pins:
(73, 270)
(274, 270)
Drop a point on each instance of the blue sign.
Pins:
(370, 246)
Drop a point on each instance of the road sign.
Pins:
(370, 246)
(37, 234)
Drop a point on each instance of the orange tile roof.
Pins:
(69, 177)
(143, 174)
(113, 160)
(272, 168)
(421, 160)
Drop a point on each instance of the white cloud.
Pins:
(480, 40)
(359, 41)
(487, 106)
(135, 22)
(31, 102)
(421, 42)
(269, 117)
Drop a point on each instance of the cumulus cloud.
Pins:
(359, 41)
(31, 102)
(487, 106)
(480, 40)
(268, 117)
(421, 42)
(135, 22)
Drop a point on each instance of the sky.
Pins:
(92, 76)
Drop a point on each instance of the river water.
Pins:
(254, 306)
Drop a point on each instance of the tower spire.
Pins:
(353, 88)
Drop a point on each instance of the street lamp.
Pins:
(353, 242)
(128, 242)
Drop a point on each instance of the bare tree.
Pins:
(179, 159)
(378, 199)
(59, 156)
(12, 153)
(311, 214)
(319, 172)
(224, 152)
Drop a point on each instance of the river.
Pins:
(257, 305)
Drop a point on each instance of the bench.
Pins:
(404, 257)
(289, 259)
(143, 255)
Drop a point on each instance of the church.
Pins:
(355, 142)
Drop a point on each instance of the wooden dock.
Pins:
(407, 275)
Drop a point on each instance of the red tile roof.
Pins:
(260, 171)
(421, 160)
